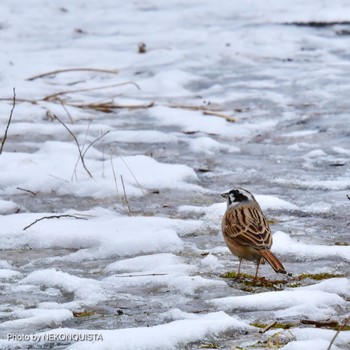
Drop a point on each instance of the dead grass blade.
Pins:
(58, 71)
(125, 197)
(57, 94)
(77, 143)
(221, 115)
(108, 107)
(206, 111)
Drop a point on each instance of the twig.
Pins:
(77, 143)
(115, 71)
(55, 95)
(54, 217)
(269, 326)
(125, 197)
(23, 189)
(337, 332)
(9, 120)
(221, 115)
(348, 197)
(144, 275)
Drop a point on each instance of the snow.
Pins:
(136, 238)
(165, 336)
(7, 207)
(316, 338)
(284, 244)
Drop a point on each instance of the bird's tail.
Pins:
(272, 260)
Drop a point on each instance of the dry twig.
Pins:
(53, 217)
(57, 71)
(9, 121)
(29, 191)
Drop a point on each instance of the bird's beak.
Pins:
(225, 194)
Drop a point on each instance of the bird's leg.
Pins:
(260, 260)
(239, 268)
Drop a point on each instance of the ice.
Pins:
(210, 146)
(144, 136)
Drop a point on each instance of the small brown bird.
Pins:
(246, 230)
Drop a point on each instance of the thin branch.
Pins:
(9, 120)
(55, 95)
(125, 197)
(77, 143)
(29, 191)
(143, 275)
(54, 217)
(348, 197)
(57, 71)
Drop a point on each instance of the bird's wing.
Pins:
(248, 226)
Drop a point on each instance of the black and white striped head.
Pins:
(236, 196)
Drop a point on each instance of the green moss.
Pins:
(342, 243)
(272, 221)
(319, 276)
(210, 346)
(275, 326)
(231, 274)
(83, 313)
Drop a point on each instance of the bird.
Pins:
(246, 230)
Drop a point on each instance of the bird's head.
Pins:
(236, 196)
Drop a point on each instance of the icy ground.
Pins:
(137, 259)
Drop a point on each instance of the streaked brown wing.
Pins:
(248, 226)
